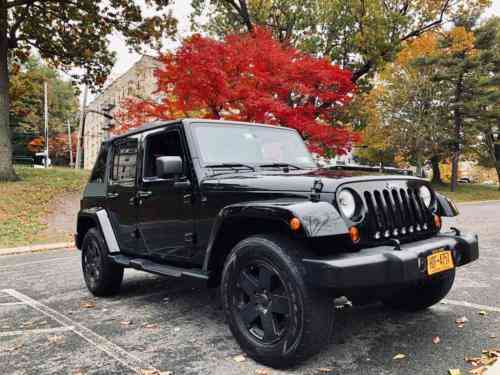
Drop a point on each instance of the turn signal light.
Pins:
(295, 224)
(437, 221)
(354, 233)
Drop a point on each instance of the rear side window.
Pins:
(125, 161)
(99, 171)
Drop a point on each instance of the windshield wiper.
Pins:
(230, 165)
(280, 165)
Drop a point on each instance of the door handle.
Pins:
(112, 195)
(144, 193)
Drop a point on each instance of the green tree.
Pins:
(70, 34)
(361, 35)
(484, 108)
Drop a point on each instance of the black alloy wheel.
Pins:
(92, 263)
(102, 276)
(276, 317)
(262, 303)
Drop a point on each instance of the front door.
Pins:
(166, 221)
(121, 194)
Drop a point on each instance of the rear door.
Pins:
(121, 202)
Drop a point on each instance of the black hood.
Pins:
(293, 181)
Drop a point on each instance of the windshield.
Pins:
(248, 144)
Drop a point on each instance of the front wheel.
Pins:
(274, 315)
(102, 276)
(422, 295)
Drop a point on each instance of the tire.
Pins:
(279, 321)
(102, 276)
(423, 295)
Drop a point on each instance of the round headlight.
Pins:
(347, 203)
(426, 195)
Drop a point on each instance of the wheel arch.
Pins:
(237, 222)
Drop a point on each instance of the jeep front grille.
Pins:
(393, 213)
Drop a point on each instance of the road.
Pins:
(50, 324)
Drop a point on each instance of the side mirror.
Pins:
(168, 166)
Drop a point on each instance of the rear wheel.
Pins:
(422, 295)
(276, 318)
(102, 276)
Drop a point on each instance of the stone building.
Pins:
(138, 81)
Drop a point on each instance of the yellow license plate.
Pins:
(439, 262)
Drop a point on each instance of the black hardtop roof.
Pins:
(159, 124)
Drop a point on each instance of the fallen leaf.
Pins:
(478, 370)
(482, 312)
(14, 348)
(462, 320)
(454, 371)
(87, 304)
(151, 326)
(152, 371)
(77, 372)
(55, 339)
(177, 329)
(436, 340)
(239, 358)
(261, 371)
(474, 361)
(325, 369)
(399, 356)
(126, 322)
(493, 336)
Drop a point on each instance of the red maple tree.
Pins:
(250, 77)
(58, 146)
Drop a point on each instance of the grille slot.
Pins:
(396, 213)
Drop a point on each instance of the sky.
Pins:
(181, 10)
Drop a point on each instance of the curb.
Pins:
(36, 248)
(476, 202)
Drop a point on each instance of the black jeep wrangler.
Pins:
(244, 207)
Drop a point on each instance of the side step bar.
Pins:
(157, 268)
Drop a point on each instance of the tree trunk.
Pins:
(436, 172)
(6, 169)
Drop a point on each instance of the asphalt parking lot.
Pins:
(50, 324)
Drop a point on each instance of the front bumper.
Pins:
(385, 266)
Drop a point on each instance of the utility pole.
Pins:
(79, 146)
(46, 116)
(70, 145)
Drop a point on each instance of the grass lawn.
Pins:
(24, 204)
(470, 192)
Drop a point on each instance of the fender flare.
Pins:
(318, 219)
(445, 206)
(101, 220)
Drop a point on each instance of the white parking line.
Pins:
(12, 304)
(471, 305)
(36, 331)
(38, 262)
(127, 359)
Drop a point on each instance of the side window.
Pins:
(160, 144)
(99, 171)
(124, 161)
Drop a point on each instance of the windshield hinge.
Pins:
(316, 190)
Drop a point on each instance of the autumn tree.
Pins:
(59, 147)
(251, 77)
(26, 101)
(70, 34)
(361, 35)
